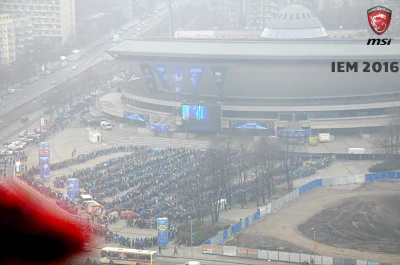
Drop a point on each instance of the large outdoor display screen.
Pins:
(162, 73)
(149, 77)
(201, 118)
(195, 77)
(177, 78)
(252, 125)
(136, 117)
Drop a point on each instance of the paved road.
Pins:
(27, 93)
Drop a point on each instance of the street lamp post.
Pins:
(90, 77)
(312, 228)
(171, 21)
(191, 236)
(10, 80)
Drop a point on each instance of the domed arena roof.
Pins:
(294, 22)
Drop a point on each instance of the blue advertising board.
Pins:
(136, 117)
(162, 223)
(44, 160)
(293, 133)
(158, 127)
(73, 189)
(162, 238)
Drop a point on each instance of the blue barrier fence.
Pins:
(223, 236)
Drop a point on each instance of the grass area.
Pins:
(202, 231)
(385, 166)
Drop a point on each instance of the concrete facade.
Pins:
(14, 36)
(54, 20)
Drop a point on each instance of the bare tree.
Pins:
(288, 148)
(57, 107)
(256, 175)
(268, 158)
(71, 93)
(389, 140)
(217, 185)
(242, 176)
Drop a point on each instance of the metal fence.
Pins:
(344, 156)
(281, 256)
(215, 245)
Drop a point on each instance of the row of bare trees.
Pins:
(230, 170)
(388, 141)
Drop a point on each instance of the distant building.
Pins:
(14, 37)
(51, 19)
(226, 14)
(258, 13)
(294, 22)
(394, 5)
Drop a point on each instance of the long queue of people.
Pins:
(138, 243)
(172, 182)
(83, 158)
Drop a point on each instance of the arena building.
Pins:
(289, 82)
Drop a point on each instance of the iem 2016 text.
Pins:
(365, 67)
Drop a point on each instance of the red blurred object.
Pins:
(32, 234)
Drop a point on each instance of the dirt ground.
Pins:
(353, 221)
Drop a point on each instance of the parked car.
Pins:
(53, 82)
(22, 134)
(14, 147)
(21, 143)
(33, 135)
(128, 215)
(6, 152)
(74, 67)
(24, 119)
(27, 140)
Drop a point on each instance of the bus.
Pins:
(17, 169)
(111, 255)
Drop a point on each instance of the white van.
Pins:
(85, 198)
(105, 125)
(116, 38)
(192, 263)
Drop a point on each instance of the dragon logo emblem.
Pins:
(379, 18)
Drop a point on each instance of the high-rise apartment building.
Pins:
(14, 37)
(394, 5)
(226, 14)
(258, 13)
(51, 19)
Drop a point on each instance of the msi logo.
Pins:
(379, 18)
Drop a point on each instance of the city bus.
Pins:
(111, 255)
(17, 169)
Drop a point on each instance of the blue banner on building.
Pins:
(162, 223)
(162, 238)
(158, 127)
(293, 133)
(73, 189)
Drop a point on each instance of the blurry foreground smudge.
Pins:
(33, 235)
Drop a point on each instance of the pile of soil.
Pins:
(367, 223)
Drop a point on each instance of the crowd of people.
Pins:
(83, 158)
(156, 183)
(137, 243)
